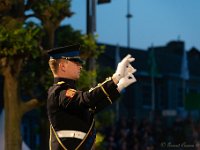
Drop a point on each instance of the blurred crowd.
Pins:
(126, 134)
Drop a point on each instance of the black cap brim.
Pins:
(78, 60)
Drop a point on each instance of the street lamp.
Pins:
(103, 1)
(128, 16)
(91, 14)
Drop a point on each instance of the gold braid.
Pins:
(51, 127)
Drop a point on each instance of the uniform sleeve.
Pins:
(97, 98)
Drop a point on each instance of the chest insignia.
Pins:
(70, 93)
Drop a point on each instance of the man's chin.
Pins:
(76, 78)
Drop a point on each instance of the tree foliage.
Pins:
(20, 48)
(23, 62)
(51, 10)
(10, 43)
(51, 13)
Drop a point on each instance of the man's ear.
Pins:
(62, 66)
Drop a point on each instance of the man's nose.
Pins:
(81, 67)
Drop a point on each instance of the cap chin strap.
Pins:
(75, 59)
(68, 58)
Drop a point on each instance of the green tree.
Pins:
(21, 43)
(51, 13)
(18, 43)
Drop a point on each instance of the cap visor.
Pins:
(78, 60)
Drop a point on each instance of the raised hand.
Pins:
(124, 67)
(126, 81)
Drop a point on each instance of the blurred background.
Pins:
(159, 112)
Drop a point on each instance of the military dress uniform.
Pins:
(71, 112)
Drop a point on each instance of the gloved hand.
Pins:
(126, 81)
(129, 69)
(123, 66)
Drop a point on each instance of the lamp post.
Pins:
(91, 23)
(128, 16)
(91, 14)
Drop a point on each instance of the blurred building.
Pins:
(168, 83)
(168, 80)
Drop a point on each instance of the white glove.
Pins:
(122, 67)
(126, 81)
(129, 69)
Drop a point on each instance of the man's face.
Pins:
(70, 69)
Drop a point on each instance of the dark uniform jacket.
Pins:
(69, 109)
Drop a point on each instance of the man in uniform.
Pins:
(70, 111)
